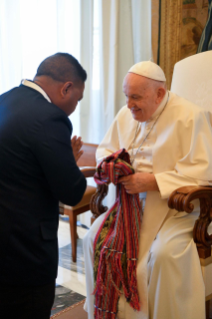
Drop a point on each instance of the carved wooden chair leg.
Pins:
(96, 206)
(207, 308)
(92, 219)
(73, 230)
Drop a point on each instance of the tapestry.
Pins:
(194, 17)
(181, 23)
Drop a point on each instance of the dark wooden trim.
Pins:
(181, 200)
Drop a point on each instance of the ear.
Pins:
(66, 88)
(160, 94)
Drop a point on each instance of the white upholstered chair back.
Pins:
(192, 79)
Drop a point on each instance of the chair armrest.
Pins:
(88, 171)
(181, 199)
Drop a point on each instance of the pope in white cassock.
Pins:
(169, 140)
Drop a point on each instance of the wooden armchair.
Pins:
(193, 81)
(87, 164)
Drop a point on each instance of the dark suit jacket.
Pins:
(37, 170)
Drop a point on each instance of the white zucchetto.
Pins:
(149, 70)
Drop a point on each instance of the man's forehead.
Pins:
(134, 80)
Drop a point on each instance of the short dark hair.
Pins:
(62, 67)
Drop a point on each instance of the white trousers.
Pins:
(175, 283)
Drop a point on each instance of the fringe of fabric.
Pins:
(116, 244)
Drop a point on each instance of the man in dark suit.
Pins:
(37, 170)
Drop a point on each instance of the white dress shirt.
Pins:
(36, 87)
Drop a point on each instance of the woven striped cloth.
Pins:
(116, 244)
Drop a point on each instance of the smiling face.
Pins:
(143, 95)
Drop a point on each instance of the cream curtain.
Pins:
(124, 38)
(30, 31)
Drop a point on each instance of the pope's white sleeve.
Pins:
(194, 168)
(171, 180)
(109, 144)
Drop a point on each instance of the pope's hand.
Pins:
(76, 143)
(139, 183)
